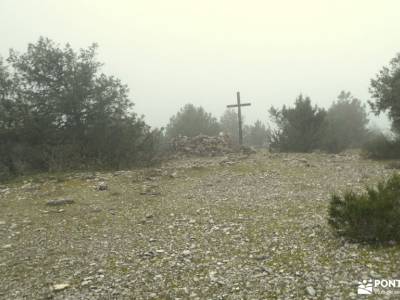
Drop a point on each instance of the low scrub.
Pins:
(380, 146)
(373, 216)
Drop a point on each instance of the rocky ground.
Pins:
(232, 227)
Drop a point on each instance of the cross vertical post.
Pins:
(239, 106)
(239, 118)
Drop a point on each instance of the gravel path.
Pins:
(218, 228)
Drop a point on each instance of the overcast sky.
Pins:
(171, 52)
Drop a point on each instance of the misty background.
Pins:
(173, 52)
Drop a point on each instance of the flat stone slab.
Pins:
(59, 202)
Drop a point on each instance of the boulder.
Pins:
(102, 186)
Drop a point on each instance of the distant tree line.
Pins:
(302, 128)
(58, 111)
(306, 127)
(191, 121)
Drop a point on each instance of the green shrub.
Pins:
(373, 216)
(379, 146)
(298, 128)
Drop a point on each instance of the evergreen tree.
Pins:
(229, 124)
(345, 124)
(257, 135)
(298, 129)
(191, 121)
(58, 110)
(385, 90)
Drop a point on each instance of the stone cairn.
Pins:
(203, 145)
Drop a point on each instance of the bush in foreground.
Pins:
(373, 216)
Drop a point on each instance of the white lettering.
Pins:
(392, 283)
(384, 283)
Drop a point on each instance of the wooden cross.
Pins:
(239, 105)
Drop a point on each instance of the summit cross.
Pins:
(239, 105)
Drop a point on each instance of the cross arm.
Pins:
(241, 104)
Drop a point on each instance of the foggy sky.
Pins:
(171, 52)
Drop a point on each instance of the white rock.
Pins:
(212, 276)
(60, 286)
(58, 202)
(85, 283)
(311, 291)
(375, 275)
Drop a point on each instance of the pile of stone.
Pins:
(203, 145)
